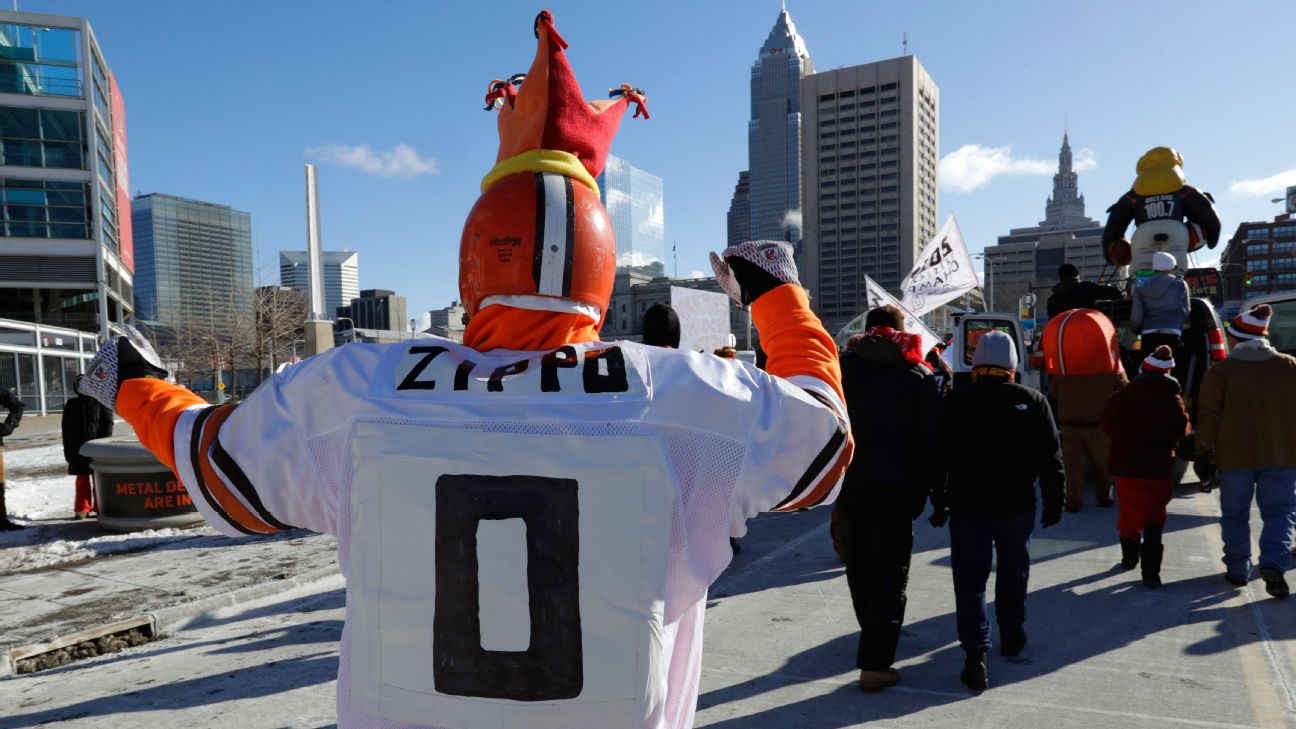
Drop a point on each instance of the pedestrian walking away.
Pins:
(1080, 401)
(1246, 425)
(9, 400)
(1145, 421)
(891, 397)
(84, 419)
(988, 496)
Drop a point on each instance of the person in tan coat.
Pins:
(1247, 417)
(1080, 402)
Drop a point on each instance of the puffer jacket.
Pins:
(892, 404)
(1161, 302)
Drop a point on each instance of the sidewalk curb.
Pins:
(167, 621)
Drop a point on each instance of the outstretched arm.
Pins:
(801, 437)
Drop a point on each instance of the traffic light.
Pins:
(1248, 278)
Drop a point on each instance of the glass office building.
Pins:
(341, 276)
(633, 199)
(194, 262)
(66, 244)
(774, 134)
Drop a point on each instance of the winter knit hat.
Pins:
(1160, 362)
(661, 327)
(995, 349)
(1252, 324)
(1162, 261)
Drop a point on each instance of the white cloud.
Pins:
(973, 166)
(401, 161)
(792, 219)
(696, 274)
(1263, 187)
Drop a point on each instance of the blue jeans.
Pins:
(972, 537)
(1274, 491)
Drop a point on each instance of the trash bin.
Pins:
(135, 491)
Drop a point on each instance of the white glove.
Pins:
(748, 270)
(119, 359)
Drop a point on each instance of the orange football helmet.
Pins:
(534, 236)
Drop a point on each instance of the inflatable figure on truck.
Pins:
(1168, 214)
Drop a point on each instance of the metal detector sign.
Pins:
(943, 272)
(142, 495)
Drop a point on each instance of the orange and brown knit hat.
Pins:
(1252, 324)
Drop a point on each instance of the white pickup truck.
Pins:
(968, 330)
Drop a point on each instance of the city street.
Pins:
(1104, 650)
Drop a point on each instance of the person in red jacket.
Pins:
(1145, 421)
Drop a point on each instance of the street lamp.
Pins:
(341, 319)
(990, 264)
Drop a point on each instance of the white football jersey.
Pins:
(527, 537)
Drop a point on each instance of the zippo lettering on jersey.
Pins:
(570, 369)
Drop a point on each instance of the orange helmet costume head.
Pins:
(539, 238)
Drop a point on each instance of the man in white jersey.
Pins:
(529, 521)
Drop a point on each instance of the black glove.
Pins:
(750, 270)
(1205, 467)
(939, 516)
(1052, 515)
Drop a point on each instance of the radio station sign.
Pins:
(1205, 283)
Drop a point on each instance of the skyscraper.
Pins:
(739, 222)
(194, 263)
(774, 133)
(634, 202)
(66, 249)
(1027, 259)
(375, 309)
(341, 276)
(870, 196)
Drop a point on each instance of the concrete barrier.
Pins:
(134, 490)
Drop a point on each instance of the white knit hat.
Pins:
(1162, 261)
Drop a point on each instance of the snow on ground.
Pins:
(39, 491)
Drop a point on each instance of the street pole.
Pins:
(319, 327)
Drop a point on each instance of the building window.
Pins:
(1285, 246)
(1255, 248)
(1285, 263)
(1284, 231)
(39, 61)
(1261, 264)
(41, 138)
(36, 209)
(1285, 280)
(1258, 233)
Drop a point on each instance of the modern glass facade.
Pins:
(63, 177)
(634, 202)
(194, 262)
(341, 276)
(774, 133)
(739, 219)
(40, 61)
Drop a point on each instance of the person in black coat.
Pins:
(84, 419)
(1072, 293)
(996, 439)
(892, 399)
(10, 401)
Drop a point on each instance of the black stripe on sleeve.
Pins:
(194, 455)
(817, 466)
(537, 260)
(225, 462)
(569, 255)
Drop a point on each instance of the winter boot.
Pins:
(5, 524)
(1129, 553)
(976, 672)
(1011, 642)
(1152, 553)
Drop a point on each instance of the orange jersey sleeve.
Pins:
(152, 407)
(794, 339)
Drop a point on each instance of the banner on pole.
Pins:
(942, 273)
(876, 297)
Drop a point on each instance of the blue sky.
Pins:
(224, 102)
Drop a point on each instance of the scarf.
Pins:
(990, 373)
(910, 344)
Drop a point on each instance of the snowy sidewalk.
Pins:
(176, 578)
(60, 577)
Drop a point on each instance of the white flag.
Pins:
(878, 296)
(943, 272)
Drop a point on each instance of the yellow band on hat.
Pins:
(541, 160)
